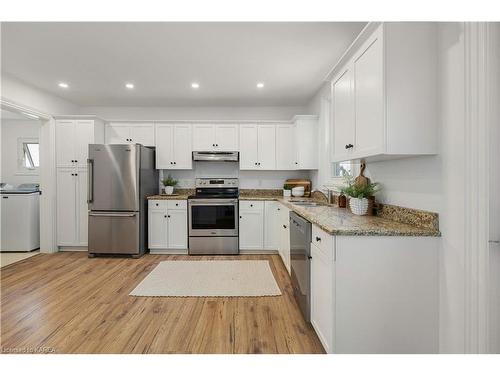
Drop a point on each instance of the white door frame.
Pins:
(48, 242)
(479, 70)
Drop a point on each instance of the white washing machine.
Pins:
(20, 217)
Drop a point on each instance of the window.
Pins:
(28, 155)
(340, 169)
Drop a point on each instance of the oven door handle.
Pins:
(212, 202)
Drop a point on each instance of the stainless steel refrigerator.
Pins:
(120, 177)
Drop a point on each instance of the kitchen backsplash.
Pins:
(248, 179)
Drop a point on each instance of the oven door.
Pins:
(213, 217)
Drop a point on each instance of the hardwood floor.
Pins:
(68, 303)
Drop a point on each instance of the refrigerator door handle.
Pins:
(113, 214)
(90, 181)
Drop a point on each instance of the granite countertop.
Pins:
(392, 220)
(340, 221)
(161, 197)
(180, 194)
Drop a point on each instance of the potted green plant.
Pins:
(359, 194)
(287, 190)
(169, 184)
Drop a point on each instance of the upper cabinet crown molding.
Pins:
(384, 94)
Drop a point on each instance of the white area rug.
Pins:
(209, 278)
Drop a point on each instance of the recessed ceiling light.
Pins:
(64, 85)
(129, 86)
(195, 85)
(260, 85)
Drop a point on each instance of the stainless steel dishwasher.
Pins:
(300, 254)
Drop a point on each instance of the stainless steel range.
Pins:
(213, 217)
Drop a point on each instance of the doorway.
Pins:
(19, 186)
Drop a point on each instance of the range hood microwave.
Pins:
(216, 156)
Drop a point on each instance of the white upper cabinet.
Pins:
(267, 146)
(226, 137)
(306, 142)
(384, 94)
(369, 97)
(343, 114)
(286, 152)
(130, 133)
(173, 146)
(73, 137)
(203, 137)
(258, 147)
(249, 149)
(215, 137)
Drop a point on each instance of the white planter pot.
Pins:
(287, 193)
(359, 206)
(169, 190)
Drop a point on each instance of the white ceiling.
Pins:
(162, 59)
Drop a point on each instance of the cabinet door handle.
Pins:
(168, 216)
(284, 226)
(309, 257)
(241, 217)
(318, 238)
(164, 216)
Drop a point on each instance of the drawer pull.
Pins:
(318, 238)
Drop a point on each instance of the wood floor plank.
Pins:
(74, 304)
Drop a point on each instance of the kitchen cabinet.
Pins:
(322, 295)
(130, 133)
(343, 114)
(384, 94)
(271, 222)
(72, 211)
(167, 225)
(173, 146)
(73, 137)
(306, 142)
(251, 225)
(364, 285)
(286, 152)
(215, 137)
(283, 228)
(257, 147)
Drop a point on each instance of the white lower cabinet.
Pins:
(322, 295)
(271, 221)
(167, 225)
(283, 228)
(251, 225)
(375, 294)
(72, 211)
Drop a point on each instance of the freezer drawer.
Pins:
(114, 233)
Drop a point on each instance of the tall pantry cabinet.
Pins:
(73, 136)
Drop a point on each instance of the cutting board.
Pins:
(293, 182)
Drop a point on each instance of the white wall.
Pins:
(11, 130)
(195, 113)
(434, 183)
(20, 93)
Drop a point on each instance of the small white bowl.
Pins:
(298, 191)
